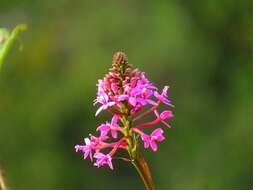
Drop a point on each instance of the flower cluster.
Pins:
(129, 96)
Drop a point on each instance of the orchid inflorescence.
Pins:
(129, 96)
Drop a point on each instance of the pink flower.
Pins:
(167, 114)
(101, 86)
(150, 140)
(103, 99)
(163, 97)
(86, 149)
(103, 159)
(104, 129)
(113, 127)
(138, 93)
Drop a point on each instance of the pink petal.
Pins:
(153, 145)
(152, 102)
(122, 97)
(114, 88)
(99, 110)
(146, 144)
(157, 95)
(149, 93)
(87, 141)
(165, 91)
(78, 148)
(146, 140)
(158, 134)
(141, 100)
(86, 154)
(103, 127)
(109, 162)
(114, 134)
(132, 101)
(109, 104)
(167, 102)
(166, 115)
(114, 120)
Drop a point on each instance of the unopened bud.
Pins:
(120, 62)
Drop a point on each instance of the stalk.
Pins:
(137, 160)
(2, 182)
(120, 64)
(142, 168)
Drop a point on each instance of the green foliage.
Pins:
(7, 39)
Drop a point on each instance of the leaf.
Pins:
(7, 39)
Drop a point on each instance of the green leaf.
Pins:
(7, 40)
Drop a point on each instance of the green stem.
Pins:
(9, 42)
(138, 161)
(142, 167)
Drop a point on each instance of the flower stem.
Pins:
(142, 167)
(2, 182)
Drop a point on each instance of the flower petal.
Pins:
(166, 115)
(122, 97)
(99, 110)
(153, 145)
(132, 101)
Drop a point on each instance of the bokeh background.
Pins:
(202, 49)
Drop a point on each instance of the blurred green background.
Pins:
(202, 49)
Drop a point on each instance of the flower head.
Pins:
(126, 93)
